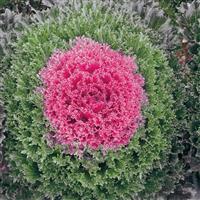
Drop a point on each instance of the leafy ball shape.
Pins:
(52, 172)
(92, 96)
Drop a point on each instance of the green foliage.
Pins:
(186, 147)
(171, 6)
(52, 171)
(5, 3)
(182, 172)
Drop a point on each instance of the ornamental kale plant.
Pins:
(73, 95)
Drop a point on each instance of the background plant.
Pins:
(186, 67)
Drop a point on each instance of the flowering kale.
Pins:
(92, 96)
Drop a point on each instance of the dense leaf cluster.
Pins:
(53, 172)
(186, 145)
(181, 176)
